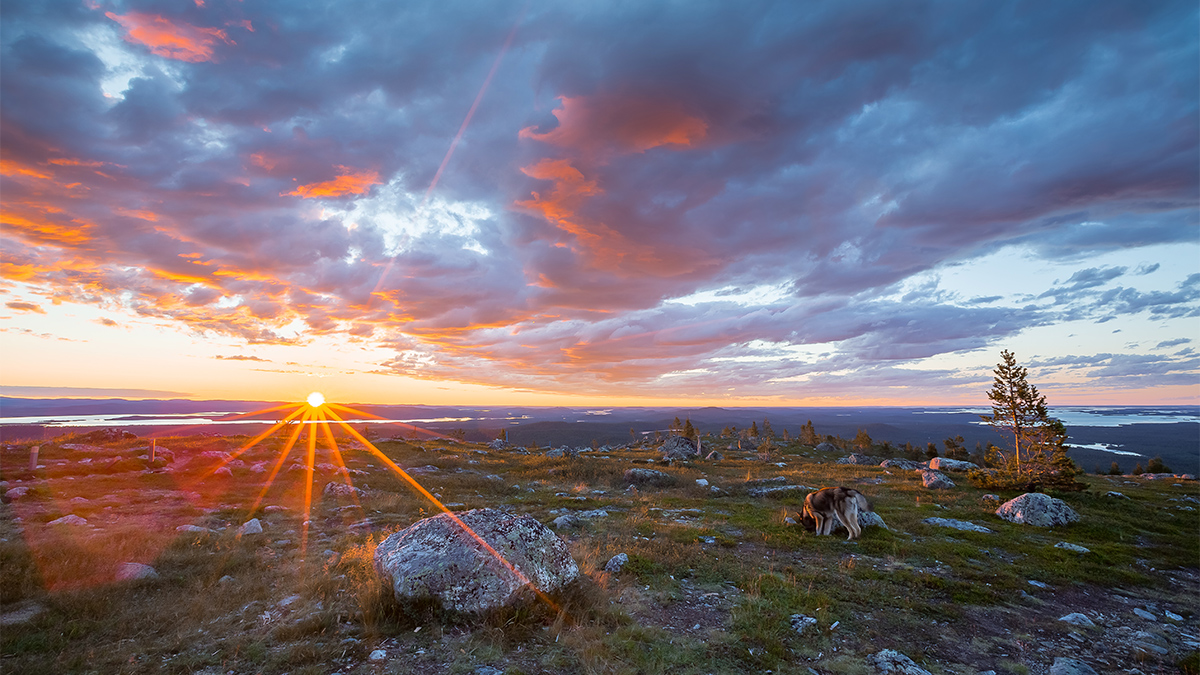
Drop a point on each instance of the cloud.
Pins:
(627, 167)
(170, 39)
(22, 306)
(241, 357)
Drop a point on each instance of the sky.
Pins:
(614, 203)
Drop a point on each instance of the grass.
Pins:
(712, 581)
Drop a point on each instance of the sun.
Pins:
(316, 399)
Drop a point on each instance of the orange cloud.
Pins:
(25, 307)
(180, 41)
(13, 168)
(621, 124)
(41, 228)
(348, 182)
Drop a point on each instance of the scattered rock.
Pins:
(1149, 644)
(378, 655)
(702, 482)
(826, 447)
(225, 579)
(223, 471)
(562, 452)
(132, 571)
(891, 661)
(779, 491)
(567, 522)
(947, 464)
(936, 480)
(1115, 495)
(1143, 614)
(855, 458)
(1074, 548)
(1037, 509)
(801, 622)
(252, 526)
(1078, 619)
(196, 529)
(1068, 666)
(13, 494)
(336, 489)
(865, 519)
(990, 498)
(1039, 584)
(19, 616)
(678, 447)
(615, 563)
(434, 559)
(69, 520)
(956, 524)
(902, 464)
(714, 456)
(487, 670)
(650, 477)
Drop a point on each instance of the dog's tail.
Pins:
(861, 500)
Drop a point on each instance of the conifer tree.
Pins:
(766, 429)
(754, 429)
(808, 434)
(1017, 407)
(862, 440)
(689, 431)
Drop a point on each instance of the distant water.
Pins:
(186, 419)
(1102, 417)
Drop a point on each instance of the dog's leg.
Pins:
(852, 520)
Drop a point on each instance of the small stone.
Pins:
(1148, 643)
(956, 524)
(194, 529)
(615, 563)
(1078, 619)
(1144, 614)
(132, 571)
(891, 661)
(1067, 666)
(567, 521)
(1115, 495)
(69, 520)
(1172, 615)
(1074, 548)
(252, 526)
(936, 480)
(487, 670)
(378, 655)
(801, 622)
(702, 482)
(1038, 584)
(225, 579)
(223, 471)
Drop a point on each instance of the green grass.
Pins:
(217, 600)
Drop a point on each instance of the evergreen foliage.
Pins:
(862, 440)
(808, 434)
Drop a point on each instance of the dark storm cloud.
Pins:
(268, 163)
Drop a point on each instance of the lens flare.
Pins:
(316, 399)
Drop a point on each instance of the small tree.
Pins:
(1156, 466)
(689, 431)
(1039, 454)
(766, 429)
(808, 434)
(954, 448)
(1138, 470)
(931, 450)
(676, 425)
(503, 435)
(1114, 470)
(862, 440)
(754, 430)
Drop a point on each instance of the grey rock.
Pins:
(132, 571)
(195, 529)
(779, 491)
(902, 464)
(855, 458)
(567, 522)
(947, 464)
(801, 622)
(1143, 614)
(936, 480)
(1115, 495)
(1068, 666)
(990, 498)
(336, 489)
(1074, 548)
(487, 670)
(891, 661)
(1037, 509)
(252, 526)
(1149, 644)
(648, 477)
(956, 524)
(23, 615)
(1038, 584)
(13, 494)
(1078, 619)
(678, 447)
(702, 482)
(615, 563)
(69, 520)
(1172, 615)
(714, 456)
(435, 559)
(865, 519)
(562, 452)
(826, 447)
(378, 655)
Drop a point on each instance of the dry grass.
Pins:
(712, 580)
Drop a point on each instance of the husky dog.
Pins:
(840, 502)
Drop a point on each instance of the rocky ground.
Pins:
(719, 576)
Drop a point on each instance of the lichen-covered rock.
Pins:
(902, 464)
(616, 563)
(964, 525)
(936, 480)
(678, 447)
(947, 464)
(435, 559)
(1037, 509)
(132, 571)
(826, 447)
(1068, 666)
(856, 458)
(865, 519)
(890, 661)
(648, 477)
(336, 489)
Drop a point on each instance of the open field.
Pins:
(714, 576)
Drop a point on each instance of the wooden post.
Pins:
(33, 457)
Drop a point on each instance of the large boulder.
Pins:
(678, 447)
(438, 560)
(1035, 508)
(826, 447)
(892, 662)
(856, 458)
(947, 464)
